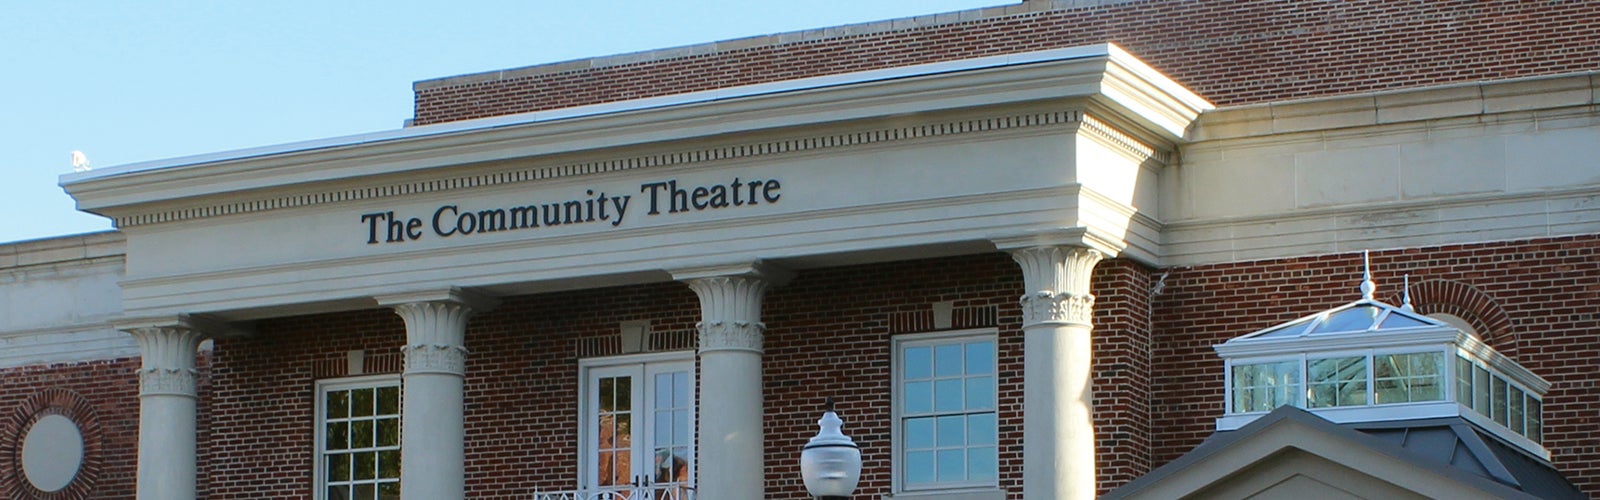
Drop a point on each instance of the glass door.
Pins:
(639, 428)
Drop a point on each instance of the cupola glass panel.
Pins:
(1371, 361)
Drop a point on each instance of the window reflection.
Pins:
(360, 450)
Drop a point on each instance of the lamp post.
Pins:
(830, 462)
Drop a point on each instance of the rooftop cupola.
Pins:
(1369, 361)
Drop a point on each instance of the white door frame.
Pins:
(640, 366)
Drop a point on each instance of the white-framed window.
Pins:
(637, 417)
(1336, 381)
(1506, 403)
(946, 429)
(358, 438)
(1408, 377)
(1263, 386)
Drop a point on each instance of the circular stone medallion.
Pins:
(52, 452)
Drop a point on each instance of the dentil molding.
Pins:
(1063, 117)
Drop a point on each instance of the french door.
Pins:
(639, 426)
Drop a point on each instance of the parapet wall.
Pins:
(1231, 52)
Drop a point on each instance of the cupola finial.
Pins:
(1368, 288)
(1405, 296)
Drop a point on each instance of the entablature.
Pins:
(938, 159)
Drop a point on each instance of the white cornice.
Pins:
(758, 149)
(169, 189)
(1521, 95)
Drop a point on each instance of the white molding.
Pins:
(646, 252)
(1498, 193)
(787, 146)
(586, 364)
(92, 341)
(1434, 103)
(1119, 81)
(1503, 365)
(1353, 414)
(1395, 338)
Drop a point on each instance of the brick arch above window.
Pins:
(1482, 311)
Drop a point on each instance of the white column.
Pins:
(167, 401)
(433, 430)
(1058, 460)
(731, 444)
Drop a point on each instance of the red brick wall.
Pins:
(260, 438)
(1547, 288)
(1229, 51)
(109, 392)
(521, 388)
(1122, 371)
(829, 334)
(1158, 383)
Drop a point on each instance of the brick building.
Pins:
(645, 272)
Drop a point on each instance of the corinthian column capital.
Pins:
(436, 327)
(730, 304)
(167, 348)
(1057, 282)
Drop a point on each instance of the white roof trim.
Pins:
(796, 85)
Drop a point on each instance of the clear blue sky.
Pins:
(132, 81)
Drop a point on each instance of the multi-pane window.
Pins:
(1503, 402)
(673, 414)
(945, 388)
(614, 441)
(1339, 381)
(1480, 389)
(1535, 419)
(1336, 382)
(1409, 377)
(359, 429)
(639, 421)
(1264, 386)
(1464, 381)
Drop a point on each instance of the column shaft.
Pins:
(731, 447)
(167, 409)
(433, 431)
(1058, 461)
